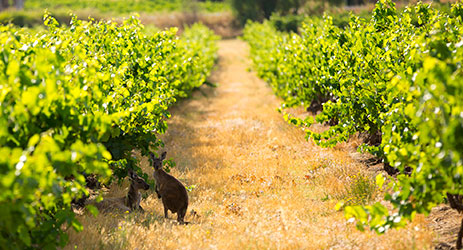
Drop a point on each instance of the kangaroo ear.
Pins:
(152, 156)
(131, 174)
(163, 155)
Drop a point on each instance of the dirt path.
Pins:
(258, 183)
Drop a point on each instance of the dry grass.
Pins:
(259, 184)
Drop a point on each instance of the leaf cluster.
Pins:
(396, 76)
(76, 101)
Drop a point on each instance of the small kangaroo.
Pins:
(131, 201)
(170, 190)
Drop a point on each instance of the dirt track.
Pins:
(256, 182)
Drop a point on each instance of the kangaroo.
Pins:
(131, 201)
(170, 190)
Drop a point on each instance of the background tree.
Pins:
(258, 10)
(5, 4)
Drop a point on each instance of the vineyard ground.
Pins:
(257, 182)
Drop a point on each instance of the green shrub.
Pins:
(288, 23)
(396, 77)
(78, 100)
(20, 18)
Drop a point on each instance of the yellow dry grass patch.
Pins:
(258, 183)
